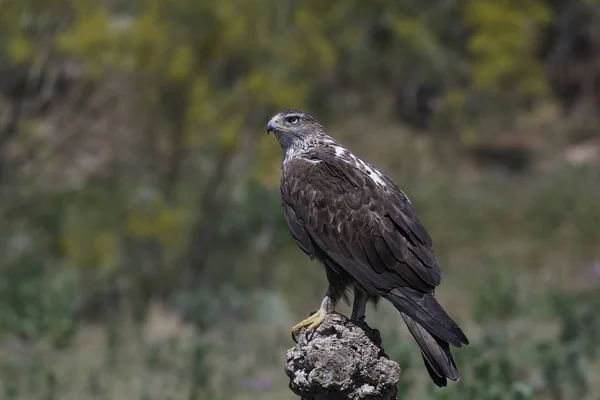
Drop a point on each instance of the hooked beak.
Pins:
(273, 124)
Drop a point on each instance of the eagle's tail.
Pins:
(433, 330)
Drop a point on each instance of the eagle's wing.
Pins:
(338, 213)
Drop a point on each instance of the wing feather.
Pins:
(384, 252)
(338, 213)
(397, 244)
(297, 230)
(372, 255)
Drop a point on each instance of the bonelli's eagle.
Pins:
(362, 227)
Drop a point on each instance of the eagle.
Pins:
(354, 219)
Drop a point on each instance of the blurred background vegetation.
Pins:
(143, 252)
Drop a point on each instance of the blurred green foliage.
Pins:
(144, 254)
(504, 43)
(215, 64)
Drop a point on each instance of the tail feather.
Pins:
(433, 331)
(436, 354)
(439, 380)
(426, 311)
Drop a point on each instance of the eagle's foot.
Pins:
(311, 323)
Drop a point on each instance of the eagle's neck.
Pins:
(313, 151)
(294, 150)
(305, 149)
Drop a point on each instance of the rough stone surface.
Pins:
(341, 360)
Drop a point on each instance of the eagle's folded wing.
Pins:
(339, 214)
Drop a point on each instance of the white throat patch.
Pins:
(298, 151)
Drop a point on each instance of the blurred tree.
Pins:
(134, 161)
(178, 92)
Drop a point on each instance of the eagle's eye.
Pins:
(293, 120)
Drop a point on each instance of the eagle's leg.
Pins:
(359, 305)
(311, 323)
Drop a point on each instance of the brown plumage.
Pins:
(362, 227)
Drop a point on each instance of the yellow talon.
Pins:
(311, 323)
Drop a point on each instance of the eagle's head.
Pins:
(294, 128)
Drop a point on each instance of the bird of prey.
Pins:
(354, 219)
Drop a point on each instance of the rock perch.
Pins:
(341, 360)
